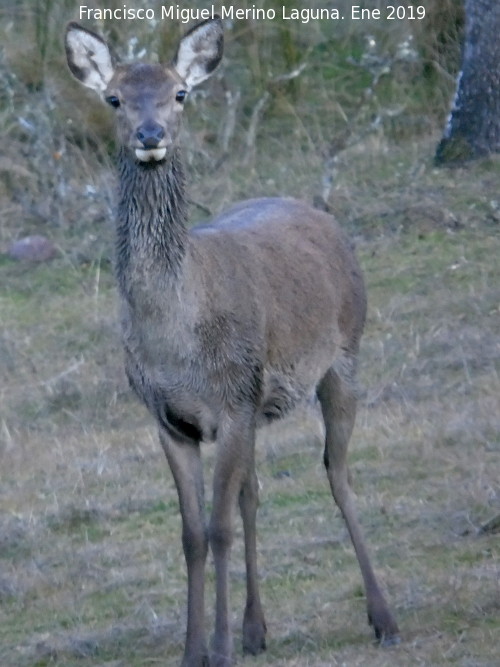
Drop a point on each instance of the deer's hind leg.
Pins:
(254, 625)
(338, 404)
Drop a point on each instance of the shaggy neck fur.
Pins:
(151, 222)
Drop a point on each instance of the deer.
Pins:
(226, 327)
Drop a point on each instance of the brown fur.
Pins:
(226, 327)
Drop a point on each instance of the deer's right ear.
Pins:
(89, 57)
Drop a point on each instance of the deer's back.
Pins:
(294, 262)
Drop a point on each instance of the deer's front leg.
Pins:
(235, 450)
(185, 462)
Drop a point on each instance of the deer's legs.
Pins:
(235, 445)
(338, 404)
(185, 462)
(254, 625)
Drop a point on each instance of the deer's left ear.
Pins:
(89, 57)
(199, 52)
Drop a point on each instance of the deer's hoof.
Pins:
(385, 627)
(254, 640)
(254, 635)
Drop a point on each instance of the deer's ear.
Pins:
(89, 57)
(199, 52)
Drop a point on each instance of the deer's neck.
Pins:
(151, 225)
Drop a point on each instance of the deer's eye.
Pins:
(113, 101)
(181, 96)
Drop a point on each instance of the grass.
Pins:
(91, 564)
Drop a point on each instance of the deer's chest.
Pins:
(172, 382)
(187, 369)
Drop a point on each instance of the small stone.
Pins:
(34, 248)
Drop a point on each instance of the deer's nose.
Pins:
(150, 134)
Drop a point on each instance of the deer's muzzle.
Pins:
(150, 134)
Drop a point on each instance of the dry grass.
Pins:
(91, 566)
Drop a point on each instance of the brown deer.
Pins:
(226, 327)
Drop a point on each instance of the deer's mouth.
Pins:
(150, 154)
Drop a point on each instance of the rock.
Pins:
(34, 248)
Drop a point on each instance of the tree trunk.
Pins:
(473, 127)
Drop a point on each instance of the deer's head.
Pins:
(147, 98)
